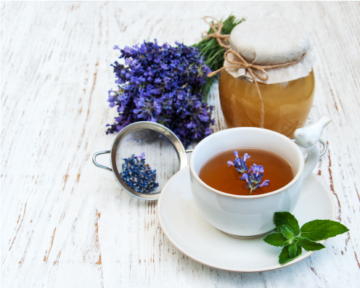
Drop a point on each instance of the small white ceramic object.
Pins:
(307, 137)
(187, 229)
(248, 216)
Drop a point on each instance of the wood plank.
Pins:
(65, 223)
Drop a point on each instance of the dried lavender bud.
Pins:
(252, 176)
(159, 84)
(138, 175)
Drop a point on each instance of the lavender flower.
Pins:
(138, 175)
(239, 164)
(160, 84)
(252, 176)
(257, 169)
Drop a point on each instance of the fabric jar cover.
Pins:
(268, 42)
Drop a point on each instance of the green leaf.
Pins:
(289, 242)
(275, 239)
(286, 218)
(308, 244)
(284, 256)
(292, 250)
(288, 234)
(213, 53)
(322, 229)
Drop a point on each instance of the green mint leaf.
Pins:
(288, 234)
(284, 256)
(322, 229)
(275, 239)
(292, 250)
(286, 218)
(308, 245)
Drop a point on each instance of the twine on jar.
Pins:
(217, 26)
(256, 72)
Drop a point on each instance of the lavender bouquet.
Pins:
(161, 84)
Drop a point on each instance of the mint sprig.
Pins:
(293, 239)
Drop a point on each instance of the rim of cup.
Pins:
(263, 130)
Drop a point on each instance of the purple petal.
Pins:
(127, 49)
(208, 131)
(257, 169)
(203, 118)
(245, 177)
(265, 183)
(230, 163)
(191, 125)
(246, 156)
(164, 66)
(236, 154)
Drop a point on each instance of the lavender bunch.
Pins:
(138, 175)
(252, 176)
(160, 84)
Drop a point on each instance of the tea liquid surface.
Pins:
(219, 176)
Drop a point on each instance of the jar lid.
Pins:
(272, 41)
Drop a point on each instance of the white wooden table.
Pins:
(66, 223)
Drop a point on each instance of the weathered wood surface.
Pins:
(66, 223)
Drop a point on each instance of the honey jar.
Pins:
(280, 100)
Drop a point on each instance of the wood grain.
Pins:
(66, 223)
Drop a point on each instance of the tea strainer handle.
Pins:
(97, 164)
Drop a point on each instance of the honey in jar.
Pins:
(286, 105)
(288, 92)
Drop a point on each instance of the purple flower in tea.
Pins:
(245, 177)
(257, 169)
(239, 163)
(230, 163)
(265, 183)
(252, 176)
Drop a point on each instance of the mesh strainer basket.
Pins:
(163, 151)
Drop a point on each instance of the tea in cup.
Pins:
(265, 172)
(241, 214)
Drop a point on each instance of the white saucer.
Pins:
(186, 228)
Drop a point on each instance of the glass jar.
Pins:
(286, 105)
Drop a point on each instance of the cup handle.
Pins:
(97, 164)
(311, 161)
(324, 149)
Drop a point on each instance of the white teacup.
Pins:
(248, 216)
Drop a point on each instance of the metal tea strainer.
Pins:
(163, 152)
